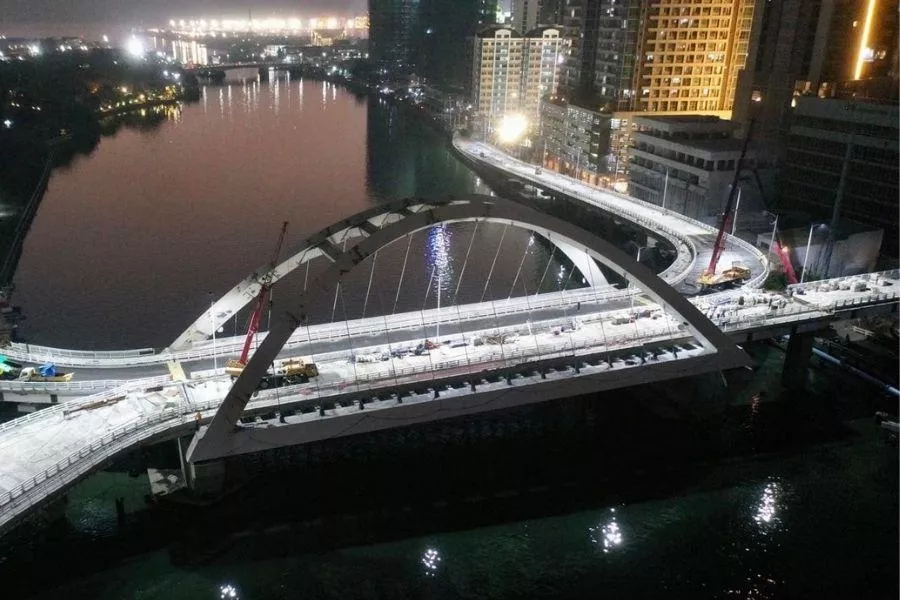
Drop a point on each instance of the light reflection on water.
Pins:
(607, 536)
(431, 560)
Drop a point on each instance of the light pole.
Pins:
(808, 244)
(737, 207)
(212, 320)
(774, 231)
(665, 189)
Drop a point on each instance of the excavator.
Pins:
(288, 372)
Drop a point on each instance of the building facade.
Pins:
(811, 47)
(392, 27)
(574, 140)
(425, 37)
(526, 14)
(512, 73)
(687, 163)
(841, 163)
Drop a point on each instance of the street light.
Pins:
(808, 244)
(511, 128)
(774, 230)
(212, 320)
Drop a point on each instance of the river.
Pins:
(687, 489)
(130, 241)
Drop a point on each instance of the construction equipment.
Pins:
(235, 367)
(291, 371)
(709, 278)
(45, 373)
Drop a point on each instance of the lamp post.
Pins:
(665, 189)
(212, 320)
(737, 207)
(774, 231)
(808, 245)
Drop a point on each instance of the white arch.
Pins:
(470, 209)
(327, 243)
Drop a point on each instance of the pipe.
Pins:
(888, 388)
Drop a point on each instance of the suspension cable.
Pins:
(369, 288)
(349, 338)
(402, 272)
(465, 262)
(496, 254)
(521, 262)
(546, 269)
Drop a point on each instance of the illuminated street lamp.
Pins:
(511, 128)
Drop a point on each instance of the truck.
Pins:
(291, 371)
(735, 275)
(45, 373)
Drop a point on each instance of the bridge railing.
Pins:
(75, 386)
(315, 333)
(67, 471)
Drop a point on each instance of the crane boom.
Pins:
(719, 246)
(261, 299)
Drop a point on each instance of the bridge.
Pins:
(609, 338)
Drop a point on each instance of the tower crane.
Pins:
(234, 367)
(709, 278)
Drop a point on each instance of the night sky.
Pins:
(160, 11)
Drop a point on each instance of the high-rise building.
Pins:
(631, 57)
(392, 28)
(426, 37)
(525, 14)
(803, 47)
(691, 54)
(599, 70)
(512, 73)
(841, 163)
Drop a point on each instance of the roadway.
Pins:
(669, 224)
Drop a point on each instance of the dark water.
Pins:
(129, 241)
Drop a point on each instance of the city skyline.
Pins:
(134, 12)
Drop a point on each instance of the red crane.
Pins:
(234, 367)
(709, 277)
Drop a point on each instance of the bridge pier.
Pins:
(796, 360)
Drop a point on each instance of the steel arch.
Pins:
(420, 216)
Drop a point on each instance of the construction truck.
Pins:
(296, 367)
(292, 371)
(735, 275)
(45, 373)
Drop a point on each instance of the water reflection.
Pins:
(766, 510)
(431, 560)
(607, 536)
(438, 261)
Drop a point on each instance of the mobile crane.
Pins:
(292, 371)
(737, 273)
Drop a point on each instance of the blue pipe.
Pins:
(888, 388)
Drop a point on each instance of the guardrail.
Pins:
(330, 332)
(73, 387)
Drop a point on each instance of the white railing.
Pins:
(76, 386)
